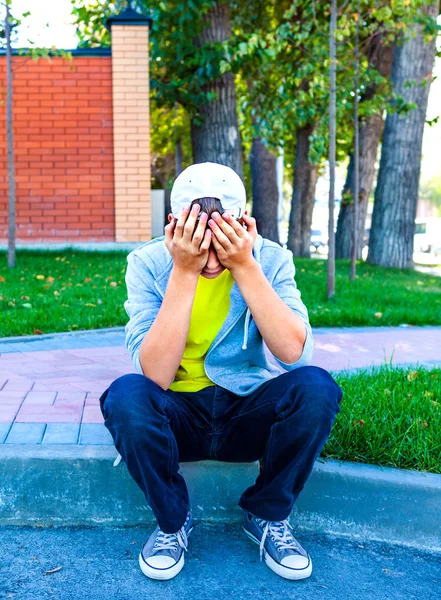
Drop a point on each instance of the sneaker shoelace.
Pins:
(279, 532)
(168, 541)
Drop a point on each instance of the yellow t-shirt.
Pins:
(210, 309)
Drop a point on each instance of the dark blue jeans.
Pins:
(284, 423)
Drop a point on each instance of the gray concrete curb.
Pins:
(78, 485)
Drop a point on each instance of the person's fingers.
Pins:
(190, 223)
(168, 231)
(179, 232)
(250, 222)
(206, 241)
(226, 228)
(237, 227)
(217, 246)
(200, 229)
(219, 234)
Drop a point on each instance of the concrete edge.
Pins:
(56, 334)
(63, 485)
(121, 328)
(364, 471)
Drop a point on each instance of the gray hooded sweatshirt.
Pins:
(238, 358)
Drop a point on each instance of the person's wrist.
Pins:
(242, 269)
(183, 273)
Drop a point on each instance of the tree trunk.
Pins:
(215, 132)
(330, 265)
(305, 179)
(178, 157)
(370, 134)
(380, 58)
(396, 195)
(264, 190)
(10, 138)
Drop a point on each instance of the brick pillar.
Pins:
(131, 126)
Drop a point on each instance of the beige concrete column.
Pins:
(131, 128)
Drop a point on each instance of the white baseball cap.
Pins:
(209, 180)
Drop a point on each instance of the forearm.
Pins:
(163, 346)
(283, 331)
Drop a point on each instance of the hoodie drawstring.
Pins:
(245, 329)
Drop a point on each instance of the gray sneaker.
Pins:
(283, 553)
(162, 556)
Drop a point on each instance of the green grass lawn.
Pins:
(389, 416)
(50, 291)
(378, 296)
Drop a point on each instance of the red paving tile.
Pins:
(7, 413)
(8, 401)
(92, 414)
(39, 398)
(64, 386)
(40, 413)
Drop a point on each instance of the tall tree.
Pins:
(396, 195)
(330, 286)
(304, 183)
(264, 189)
(214, 128)
(379, 56)
(187, 58)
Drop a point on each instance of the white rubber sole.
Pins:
(285, 572)
(162, 574)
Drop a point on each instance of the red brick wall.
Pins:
(63, 141)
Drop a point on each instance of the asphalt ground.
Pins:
(101, 563)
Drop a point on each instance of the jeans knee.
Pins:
(315, 393)
(128, 396)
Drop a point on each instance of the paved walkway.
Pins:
(50, 385)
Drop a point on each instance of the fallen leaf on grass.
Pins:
(39, 276)
(37, 332)
(412, 376)
(113, 284)
(378, 315)
(52, 571)
(2, 279)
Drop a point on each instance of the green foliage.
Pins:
(278, 52)
(377, 297)
(87, 289)
(389, 416)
